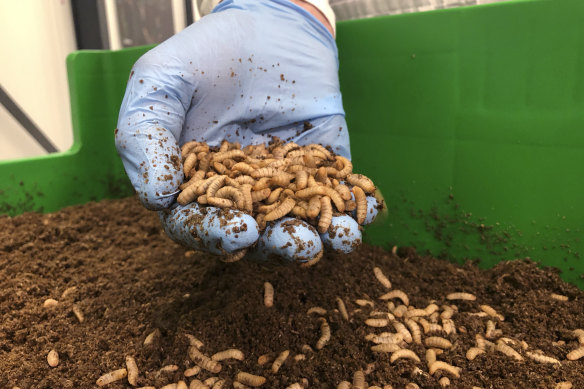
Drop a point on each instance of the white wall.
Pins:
(36, 36)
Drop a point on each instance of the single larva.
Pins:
(401, 329)
(564, 385)
(268, 294)
(189, 164)
(344, 385)
(181, 385)
(326, 214)
(204, 361)
(377, 322)
(492, 312)
(383, 280)
(576, 354)
(358, 380)
(193, 341)
(385, 337)
(282, 210)
(430, 357)
(431, 309)
(461, 296)
(404, 353)
(364, 303)
(510, 352)
(317, 310)
(342, 308)
(361, 201)
(78, 313)
(53, 358)
(361, 181)
(250, 379)
(279, 361)
(412, 385)
(192, 371)
(211, 381)
(168, 369)
(416, 312)
(444, 382)
(325, 334)
(299, 357)
(559, 297)
(231, 353)
(265, 358)
(171, 386)
(542, 358)
(438, 342)
(132, 369)
(473, 352)
(447, 312)
(400, 310)
(198, 384)
(396, 293)
(219, 384)
(448, 326)
(385, 348)
(313, 207)
(112, 376)
(50, 303)
(491, 331)
(414, 330)
(441, 365)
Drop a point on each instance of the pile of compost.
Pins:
(123, 289)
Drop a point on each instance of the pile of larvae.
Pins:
(270, 182)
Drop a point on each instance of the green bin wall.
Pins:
(470, 120)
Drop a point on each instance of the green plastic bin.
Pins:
(470, 120)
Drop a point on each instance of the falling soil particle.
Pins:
(132, 280)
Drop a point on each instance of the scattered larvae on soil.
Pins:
(268, 294)
(112, 376)
(250, 379)
(274, 181)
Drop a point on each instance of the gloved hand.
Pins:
(250, 71)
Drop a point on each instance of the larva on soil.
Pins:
(461, 296)
(404, 353)
(132, 369)
(228, 354)
(396, 293)
(325, 334)
(438, 342)
(112, 376)
(383, 280)
(342, 308)
(279, 361)
(250, 379)
(268, 295)
(441, 365)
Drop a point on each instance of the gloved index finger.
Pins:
(149, 127)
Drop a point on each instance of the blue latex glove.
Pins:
(251, 70)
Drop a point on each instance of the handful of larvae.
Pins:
(270, 182)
